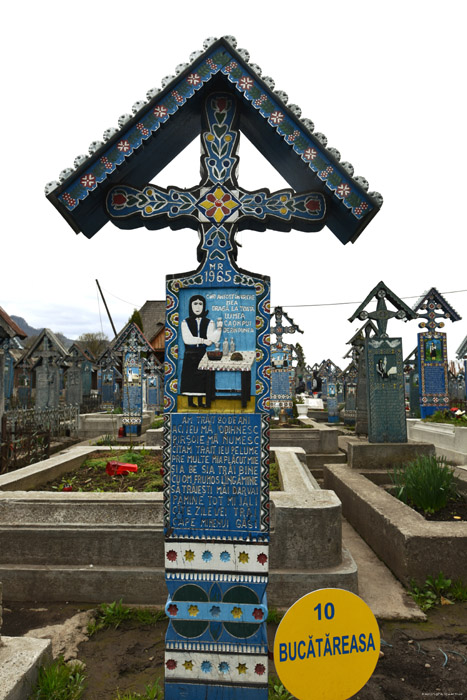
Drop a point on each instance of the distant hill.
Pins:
(24, 325)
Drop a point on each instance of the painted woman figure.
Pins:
(198, 333)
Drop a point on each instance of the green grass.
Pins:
(157, 423)
(113, 614)
(274, 483)
(152, 692)
(437, 590)
(426, 483)
(274, 616)
(58, 681)
(92, 476)
(446, 417)
(276, 690)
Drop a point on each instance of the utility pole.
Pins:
(106, 308)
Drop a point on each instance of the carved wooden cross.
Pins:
(218, 207)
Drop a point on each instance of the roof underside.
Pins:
(161, 129)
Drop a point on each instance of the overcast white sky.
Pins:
(384, 81)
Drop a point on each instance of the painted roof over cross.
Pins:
(432, 306)
(164, 124)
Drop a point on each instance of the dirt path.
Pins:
(414, 666)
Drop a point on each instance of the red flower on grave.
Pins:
(258, 614)
(172, 555)
(171, 664)
(260, 669)
(262, 558)
(118, 199)
(172, 610)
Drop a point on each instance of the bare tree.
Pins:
(95, 342)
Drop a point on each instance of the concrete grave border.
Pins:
(409, 545)
(105, 546)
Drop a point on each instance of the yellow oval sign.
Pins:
(327, 645)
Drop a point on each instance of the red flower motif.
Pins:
(88, 180)
(218, 203)
(171, 664)
(172, 555)
(123, 146)
(221, 104)
(69, 199)
(262, 558)
(312, 205)
(193, 79)
(245, 83)
(310, 154)
(118, 199)
(260, 669)
(160, 111)
(343, 190)
(258, 614)
(276, 117)
(172, 609)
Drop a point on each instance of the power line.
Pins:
(135, 306)
(343, 303)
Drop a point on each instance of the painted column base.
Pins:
(204, 691)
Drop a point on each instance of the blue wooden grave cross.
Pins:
(209, 614)
(432, 351)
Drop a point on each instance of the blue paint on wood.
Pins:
(198, 691)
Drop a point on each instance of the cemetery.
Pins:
(214, 548)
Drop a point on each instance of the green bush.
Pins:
(426, 483)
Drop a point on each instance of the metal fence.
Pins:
(91, 404)
(62, 421)
(19, 449)
(26, 434)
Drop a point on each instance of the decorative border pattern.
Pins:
(341, 187)
(216, 556)
(189, 665)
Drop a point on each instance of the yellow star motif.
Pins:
(242, 668)
(188, 665)
(189, 555)
(237, 613)
(193, 610)
(243, 558)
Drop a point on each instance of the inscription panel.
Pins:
(386, 395)
(433, 371)
(215, 475)
(281, 391)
